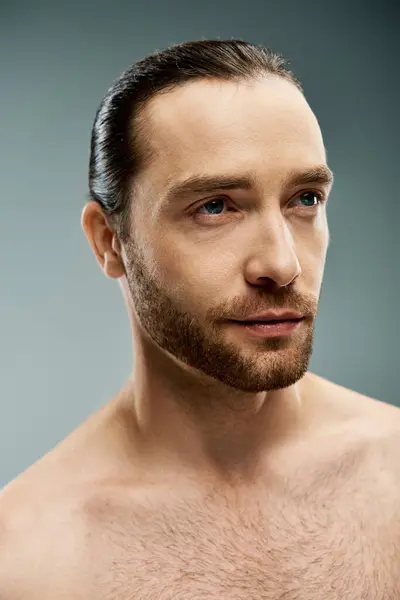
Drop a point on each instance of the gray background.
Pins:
(64, 336)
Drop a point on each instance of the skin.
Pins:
(217, 435)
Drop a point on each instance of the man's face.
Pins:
(202, 257)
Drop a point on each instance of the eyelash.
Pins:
(320, 197)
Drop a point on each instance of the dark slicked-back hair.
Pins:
(120, 139)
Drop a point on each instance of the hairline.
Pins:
(139, 131)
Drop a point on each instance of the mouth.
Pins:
(270, 327)
(269, 321)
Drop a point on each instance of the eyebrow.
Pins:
(202, 184)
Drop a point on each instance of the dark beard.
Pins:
(275, 363)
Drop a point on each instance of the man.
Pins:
(223, 468)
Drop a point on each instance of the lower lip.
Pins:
(273, 329)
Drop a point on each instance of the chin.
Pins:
(274, 379)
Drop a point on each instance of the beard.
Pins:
(249, 365)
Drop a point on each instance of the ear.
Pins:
(103, 240)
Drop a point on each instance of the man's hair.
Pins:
(120, 140)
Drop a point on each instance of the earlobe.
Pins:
(113, 266)
(102, 240)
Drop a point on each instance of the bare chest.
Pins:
(309, 548)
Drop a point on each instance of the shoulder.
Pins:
(16, 541)
(42, 538)
(362, 423)
(45, 532)
(346, 404)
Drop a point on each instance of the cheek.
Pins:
(203, 277)
(312, 249)
(192, 276)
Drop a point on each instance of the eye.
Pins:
(212, 207)
(310, 199)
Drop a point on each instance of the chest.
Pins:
(285, 549)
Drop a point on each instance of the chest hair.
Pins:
(330, 544)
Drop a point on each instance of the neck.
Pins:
(198, 424)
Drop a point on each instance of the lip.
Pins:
(272, 315)
(269, 329)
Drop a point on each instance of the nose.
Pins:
(272, 255)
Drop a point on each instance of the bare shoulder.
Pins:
(42, 528)
(373, 423)
(40, 537)
(348, 402)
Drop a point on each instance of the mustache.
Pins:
(282, 299)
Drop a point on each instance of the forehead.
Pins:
(213, 126)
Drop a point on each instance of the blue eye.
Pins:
(216, 206)
(311, 199)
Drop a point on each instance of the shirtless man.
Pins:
(223, 469)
